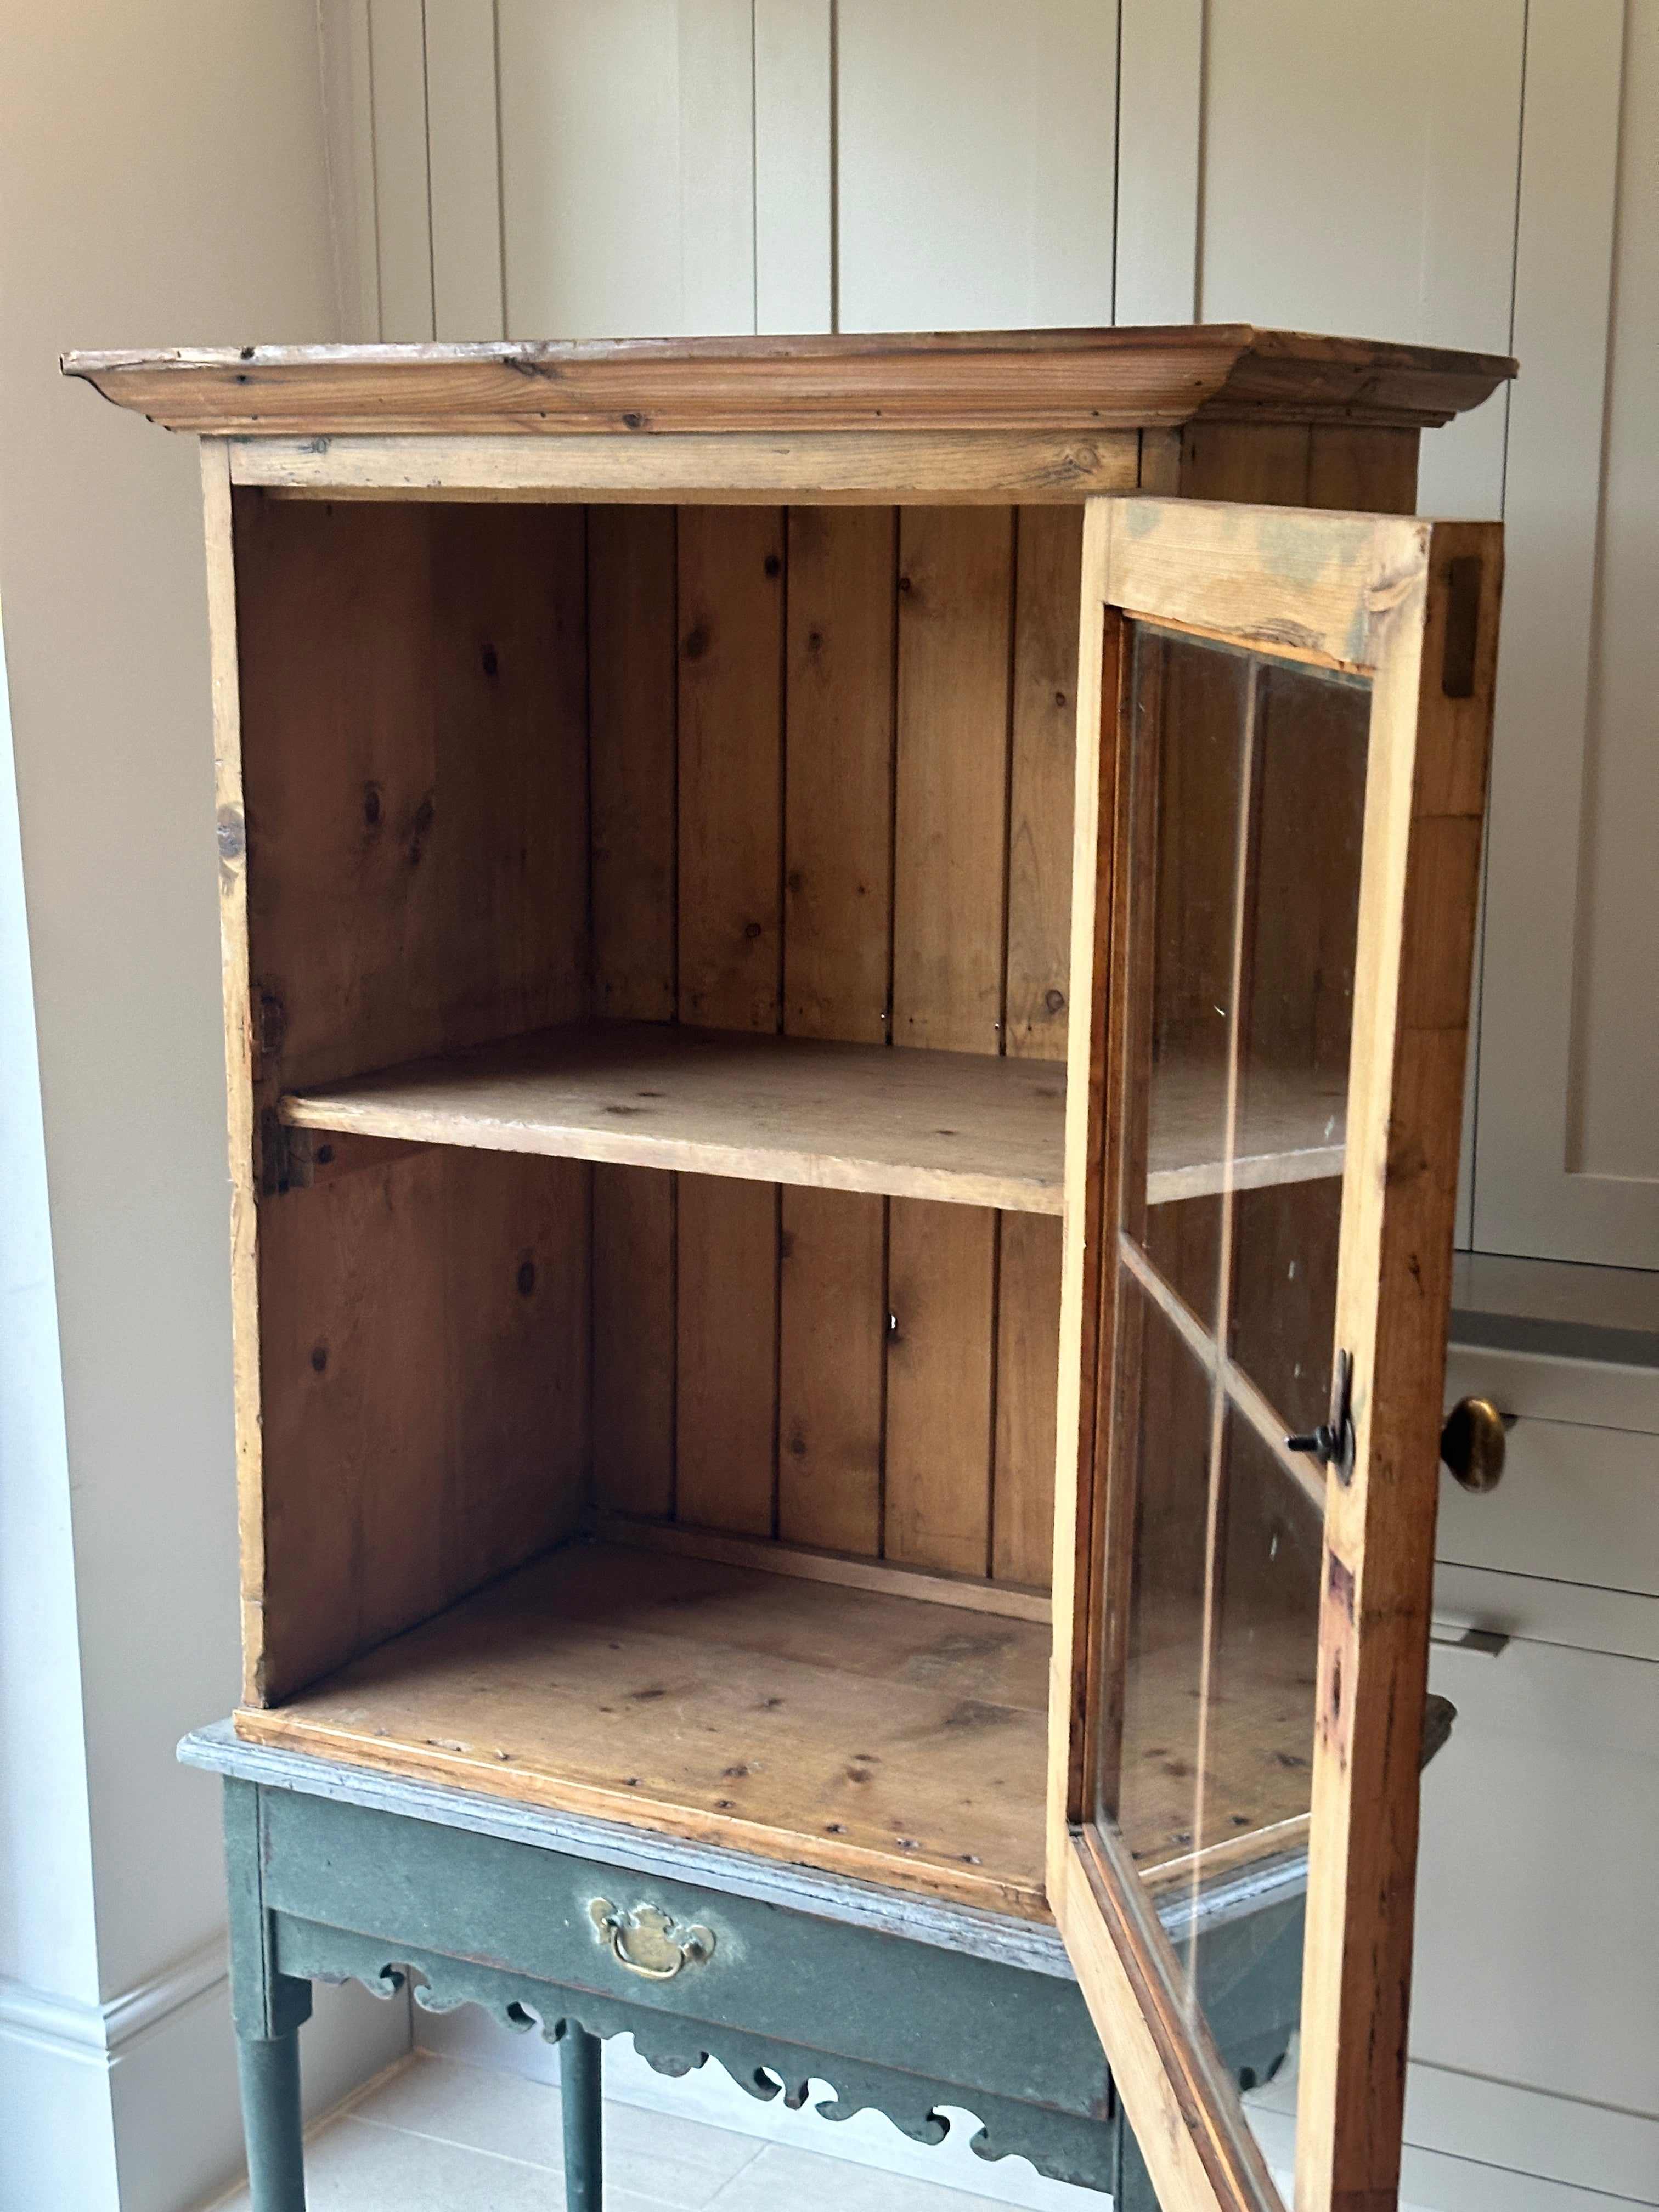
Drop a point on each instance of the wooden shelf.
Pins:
(963, 1127)
(864, 1731)
(1289, 1130)
(943, 1125)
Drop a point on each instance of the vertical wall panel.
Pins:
(397, 65)
(349, 119)
(1613, 1128)
(716, 133)
(794, 287)
(627, 162)
(975, 163)
(1160, 138)
(1388, 214)
(1533, 1192)
(463, 156)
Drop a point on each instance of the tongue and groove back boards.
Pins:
(829, 753)
(885, 682)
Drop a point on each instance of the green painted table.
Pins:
(582, 1929)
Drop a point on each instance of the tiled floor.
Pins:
(436, 2135)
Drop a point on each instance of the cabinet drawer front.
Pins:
(1537, 1916)
(1596, 1392)
(1575, 1505)
(1531, 1607)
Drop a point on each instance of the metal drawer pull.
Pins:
(647, 1941)
(1472, 1443)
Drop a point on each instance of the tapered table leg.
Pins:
(269, 2074)
(579, 2090)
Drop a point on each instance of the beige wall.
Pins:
(1464, 172)
(161, 179)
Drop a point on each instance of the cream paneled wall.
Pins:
(1467, 173)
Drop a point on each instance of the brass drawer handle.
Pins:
(647, 1941)
(1471, 1444)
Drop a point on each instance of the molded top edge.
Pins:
(1024, 381)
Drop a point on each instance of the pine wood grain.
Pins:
(414, 762)
(730, 766)
(963, 1126)
(942, 1289)
(1027, 1378)
(631, 747)
(951, 778)
(424, 1362)
(853, 467)
(1080, 380)
(851, 1730)
(833, 1312)
(1042, 769)
(847, 1570)
(726, 1335)
(837, 950)
(731, 597)
(634, 1332)
(633, 710)
(839, 808)
(1041, 775)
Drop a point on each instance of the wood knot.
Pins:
(697, 643)
(526, 1278)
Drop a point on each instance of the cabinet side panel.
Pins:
(232, 825)
(424, 1365)
(838, 823)
(731, 616)
(950, 878)
(632, 709)
(415, 756)
(413, 707)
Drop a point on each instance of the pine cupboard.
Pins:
(846, 972)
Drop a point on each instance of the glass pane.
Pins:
(1148, 1774)
(1191, 701)
(1246, 822)
(1302, 920)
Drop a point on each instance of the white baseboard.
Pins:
(131, 2106)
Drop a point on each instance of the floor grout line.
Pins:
(476, 2150)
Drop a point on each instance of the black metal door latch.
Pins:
(1331, 1443)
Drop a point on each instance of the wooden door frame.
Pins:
(1413, 606)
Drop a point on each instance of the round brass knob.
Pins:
(1472, 1443)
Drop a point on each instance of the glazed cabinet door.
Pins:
(1284, 722)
